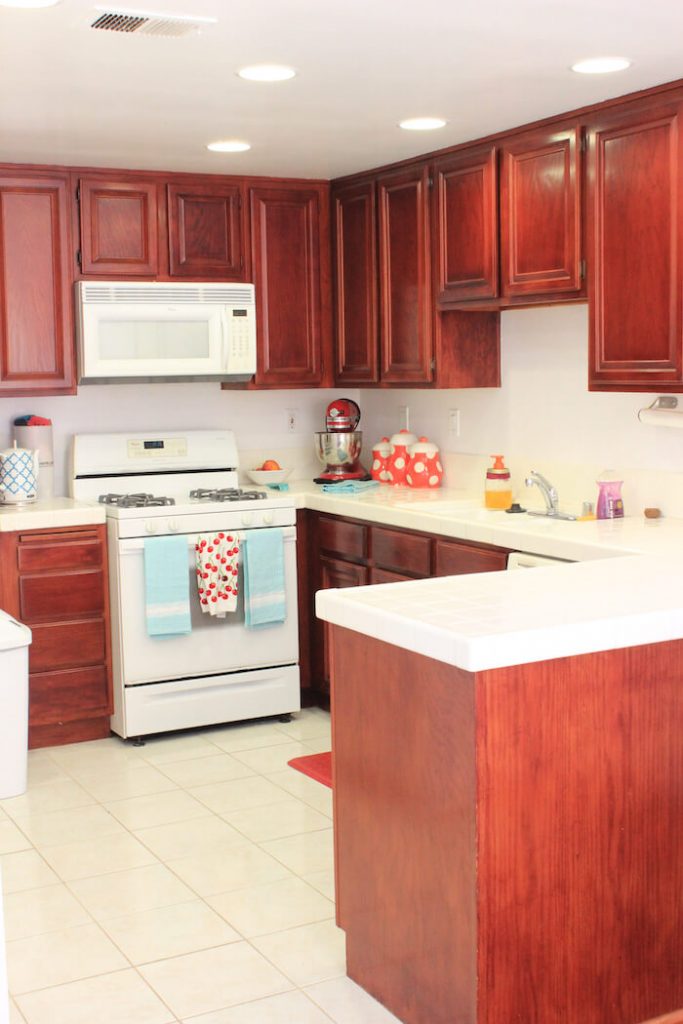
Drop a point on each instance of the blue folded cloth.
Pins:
(167, 586)
(351, 487)
(263, 565)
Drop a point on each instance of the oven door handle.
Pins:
(134, 545)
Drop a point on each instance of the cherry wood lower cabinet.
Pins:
(56, 582)
(507, 843)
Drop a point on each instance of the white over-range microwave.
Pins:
(159, 331)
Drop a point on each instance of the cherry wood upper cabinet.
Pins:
(354, 254)
(466, 225)
(287, 261)
(635, 213)
(404, 277)
(205, 231)
(36, 321)
(540, 212)
(119, 232)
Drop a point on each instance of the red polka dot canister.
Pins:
(380, 460)
(424, 465)
(398, 459)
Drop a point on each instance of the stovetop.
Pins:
(199, 495)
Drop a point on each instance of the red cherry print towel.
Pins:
(217, 558)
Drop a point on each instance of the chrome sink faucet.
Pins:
(549, 496)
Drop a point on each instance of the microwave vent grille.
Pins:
(147, 23)
(163, 295)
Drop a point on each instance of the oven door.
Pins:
(214, 645)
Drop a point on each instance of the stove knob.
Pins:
(267, 518)
(173, 525)
(151, 526)
(247, 518)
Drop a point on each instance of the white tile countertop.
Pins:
(624, 590)
(49, 514)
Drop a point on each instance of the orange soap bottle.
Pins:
(498, 489)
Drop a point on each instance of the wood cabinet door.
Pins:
(286, 240)
(205, 231)
(354, 253)
(119, 230)
(540, 212)
(404, 277)
(466, 225)
(37, 352)
(635, 212)
(453, 558)
(339, 575)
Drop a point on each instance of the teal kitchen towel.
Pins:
(350, 487)
(167, 586)
(263, 564)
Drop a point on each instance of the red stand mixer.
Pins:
(338, 447)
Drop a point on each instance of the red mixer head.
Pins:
(342, 414)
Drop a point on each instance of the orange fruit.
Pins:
(271, 464)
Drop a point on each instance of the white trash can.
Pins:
(14, 643)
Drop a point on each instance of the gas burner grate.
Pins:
(226, 494)
(135, 500)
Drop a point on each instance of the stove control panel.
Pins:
(153, 448)
(160, 523)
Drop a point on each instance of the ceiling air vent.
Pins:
(147, 23)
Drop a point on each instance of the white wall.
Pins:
(544, 418)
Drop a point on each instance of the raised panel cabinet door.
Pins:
(354, 253)
(635, 212)
(285, 231)
(119, 230)
(338, 575)
(205, 232)
(36, 319)
(466, 225)
(404, 278)
(540, 212)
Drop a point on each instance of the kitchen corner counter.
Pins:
(50, 514)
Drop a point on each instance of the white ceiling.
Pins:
(69, 94)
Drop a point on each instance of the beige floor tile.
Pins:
(59, 795)
(289, 818)
(214, 979)
(95, 756)
(156, 809)
(3, 816)
(121, 998)
(228, 869)
(311, 953)
(303, 854)
(306, 727)
(99, 857)
(25, 870)
(323, 881)
(42, 910)
(313, 793)
(267, 760)
(262, 909)
(203, 771)
(127, 781)
(169, 931)
(11, 839)
(203, 835)
(43, 769)
(288, 1008)
(176, 747)
(57, 827)
(348, 1003)
(15, 1017)
(318, 744)
(59, 957)
(248, 736)
(145, 888)
(231, 796)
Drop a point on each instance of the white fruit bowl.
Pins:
(263, 477)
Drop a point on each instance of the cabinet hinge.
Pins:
(433, 364)
(582, 269)
(241, 262)
(430, 182)
(583, 145)
(79, 258)
(78, 193)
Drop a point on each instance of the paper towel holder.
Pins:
(664, 403)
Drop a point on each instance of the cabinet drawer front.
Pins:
(453, 559)
(346, 538)
(79, 551)
(61, 596)
(68, 695)
(395, 550)
(59, 645)
(384, 576)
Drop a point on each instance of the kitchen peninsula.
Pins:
(508, 764)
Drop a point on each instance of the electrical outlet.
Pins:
(292, 420)
(454, 422)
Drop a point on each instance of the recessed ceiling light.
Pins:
(422, 124)
(229, 146)
(29, 3)
(267, 73)
(601, 65)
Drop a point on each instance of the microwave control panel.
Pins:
(241, 353)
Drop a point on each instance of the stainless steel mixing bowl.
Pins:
(339, 451)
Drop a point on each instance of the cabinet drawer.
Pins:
(59, 645)
(74, 551)
(454, 559)
(345, 538)
(61, 596)
(395, 550)
(385, 576)
(68, 695)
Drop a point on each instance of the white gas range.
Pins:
(185, 483)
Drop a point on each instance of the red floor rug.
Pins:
(316, 766)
